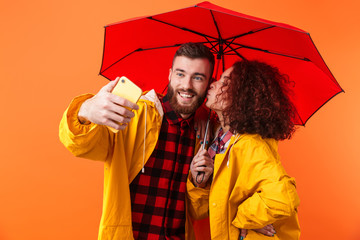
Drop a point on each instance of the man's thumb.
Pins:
(110, 86)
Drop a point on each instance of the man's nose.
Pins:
(187, 83)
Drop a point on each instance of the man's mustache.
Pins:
(191, 91)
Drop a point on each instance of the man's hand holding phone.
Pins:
(106, 108)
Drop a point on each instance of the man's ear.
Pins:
(170, 74)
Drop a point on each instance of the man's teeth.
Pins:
(185, 95)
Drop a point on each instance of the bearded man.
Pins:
(146, 163)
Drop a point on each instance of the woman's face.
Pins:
(216, 96)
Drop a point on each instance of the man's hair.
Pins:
(196, 50)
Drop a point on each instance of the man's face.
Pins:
(189, 79)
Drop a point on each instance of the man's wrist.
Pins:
(83, 120)
(80, 115)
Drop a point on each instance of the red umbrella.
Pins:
(142, 49)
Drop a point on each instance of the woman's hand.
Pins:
(201, 167)
(268, 230)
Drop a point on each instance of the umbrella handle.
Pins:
(201, 173)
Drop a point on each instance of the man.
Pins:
(147, 162)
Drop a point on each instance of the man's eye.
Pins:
(179, 74)
(198, 78)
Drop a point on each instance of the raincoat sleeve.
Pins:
(198, 200)
(89, 141)
(271, 192)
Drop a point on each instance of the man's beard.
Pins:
(184, 109)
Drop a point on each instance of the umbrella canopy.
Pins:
(142, 49)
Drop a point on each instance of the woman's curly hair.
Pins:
(259, 100)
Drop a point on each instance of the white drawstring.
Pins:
(228, 161)
(143, 165)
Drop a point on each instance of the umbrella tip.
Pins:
(200, 3)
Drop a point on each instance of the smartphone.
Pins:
(128, 90)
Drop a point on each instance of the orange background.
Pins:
(51, 51)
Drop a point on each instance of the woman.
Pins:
(249, 188)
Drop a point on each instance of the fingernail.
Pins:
(201, 142)
(196, 128)
(241, 238)
(207, 142)
(198, 136)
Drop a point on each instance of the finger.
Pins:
(270, 228)
(197, 129)
(200, 169)
(110, 106)
(110, 86)
(199, 151)
(123, 111)
(208, 162)
(115, 125)
(265, 232)
(203, 153)
(123, 102)
(243, 233)
(119, 118)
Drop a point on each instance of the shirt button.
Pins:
(214, 204)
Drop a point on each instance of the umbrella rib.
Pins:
(138, 50)
(341, 91)
(275, 53)
(170, 46)
(117, 61)
(231, 50)
(220, 52)
(212, 45)
(234, 50)
(216, 25)
(154, 48)
(188, 30)
(182, 28)
(248, 33)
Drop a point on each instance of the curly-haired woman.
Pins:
(249, 194)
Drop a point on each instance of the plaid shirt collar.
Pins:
(220, 143)
(173, 117)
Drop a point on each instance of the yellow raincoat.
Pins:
(250, 189)
(124, 155)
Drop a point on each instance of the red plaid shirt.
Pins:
(158, 195)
